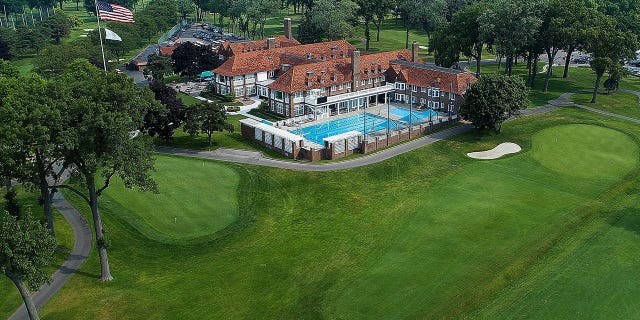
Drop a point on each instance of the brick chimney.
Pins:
(355, 68)
(414, 51)
(287, 28)
(271, 43)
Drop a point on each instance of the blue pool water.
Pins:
(417, 116)
(320, 131)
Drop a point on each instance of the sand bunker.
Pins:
(497, 152)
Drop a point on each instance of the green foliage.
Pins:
(104, 109)
(608, 47)
(163, 122)
(493, 99)
(511, 25)
(185, 8)
(445, 47)
(26, 249)
(613, 82)
(158, 67)
(206, 118)
(8, 70)
(328, 20)
(191, 59)
(59, 26)
(11, 203)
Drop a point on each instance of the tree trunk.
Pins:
(26, 296)
(567, 60)
(47, 201)
(478, 59)
(367, 35)
(378, 30)
(45, 193)
(508, 65)
(529, 67)
(97, 224)
(262, 29)
(550, 57)
(534, 69)
(595, 90)
(406, 41)
(7, 184)
(209, 138)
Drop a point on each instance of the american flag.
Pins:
(114, 12)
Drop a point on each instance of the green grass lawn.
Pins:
(187, 99)
(233, 140)
(622, 103)
(427, 234)
(10, 299)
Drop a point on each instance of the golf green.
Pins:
(585, 151)
(196, 198)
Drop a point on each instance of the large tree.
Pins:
(608, 48)
(158, 67)
(35, 107)
(26, 249)
(493, 99)
(581, 15)
(190, 59)
(206, 118)
(461, 35)
(512, 26)
(380, 12)
(104, 112)
(164, 121)
(328, 20)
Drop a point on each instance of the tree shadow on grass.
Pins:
(628, 219)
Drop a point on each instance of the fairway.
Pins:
(474, 216)
(428, 234)
(196, 198)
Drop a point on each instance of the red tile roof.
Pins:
(334, 72)
(271, 59)
(167, 51)
(424, 75)
(239, 47)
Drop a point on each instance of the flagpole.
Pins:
(104, 61)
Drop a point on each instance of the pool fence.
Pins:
(335, 147)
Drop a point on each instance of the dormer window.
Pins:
(309, 73)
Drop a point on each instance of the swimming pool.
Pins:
(417, 116)
(320, 131)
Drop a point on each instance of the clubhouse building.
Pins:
(319, 81)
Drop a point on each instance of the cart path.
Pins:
(257, 158)
(80, 252)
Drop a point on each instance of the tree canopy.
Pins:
(26, 249)
(206, 118)
(493, 99)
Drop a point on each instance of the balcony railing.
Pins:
(313, 99)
